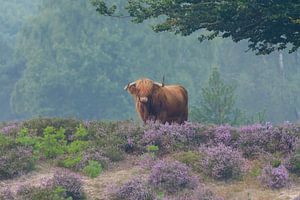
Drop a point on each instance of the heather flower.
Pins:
(223, 134)
(258, 138)
(30, 192)
(16, 161)
(93, 154)
(171, 176)
(87, 123)
(69, 181)
(223, 162)
(133, 189)
(147, 161)
(10, 129)
(6, 194)
(168, 136)
(274, 177)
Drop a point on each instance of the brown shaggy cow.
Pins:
(155, 101)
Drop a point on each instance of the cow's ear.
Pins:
(132, 89)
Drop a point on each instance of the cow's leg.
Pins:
(185, 116)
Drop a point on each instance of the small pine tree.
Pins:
(217, 102)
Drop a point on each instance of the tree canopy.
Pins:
(266, 25)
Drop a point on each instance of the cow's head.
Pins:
(142, 89)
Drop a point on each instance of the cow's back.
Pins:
(175, 103)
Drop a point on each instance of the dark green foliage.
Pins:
(259, 22)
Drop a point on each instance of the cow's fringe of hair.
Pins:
(144, 86)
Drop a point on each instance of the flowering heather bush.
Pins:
(147, 161)
(223, 134)
(222, 162)
(134, 189)
(171, 176)
(170, 136)
(10, 128)
(70, 182)
(274, 178)
(258, 138)
(93, 154)
(251, 139)
(16, 161)
(28, 192)
(6, 194)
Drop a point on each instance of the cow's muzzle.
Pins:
(143, 99)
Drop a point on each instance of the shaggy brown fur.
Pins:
(153, 101)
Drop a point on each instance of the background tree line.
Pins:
(61, 58)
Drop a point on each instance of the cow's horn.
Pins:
(159, 84)
(128, 85)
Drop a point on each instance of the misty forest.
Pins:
(149, 100)
(63, 59)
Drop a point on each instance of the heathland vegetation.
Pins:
(170, 161)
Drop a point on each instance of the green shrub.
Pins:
(71, 161)
(152, 148)
(77, 146)
(39, 124)
(93, 169)
(81, 132)
(255, 171)
(24, 138)
(5, 142)
(114, 154)
(190, 158)
(53, 142)
(276, 163)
